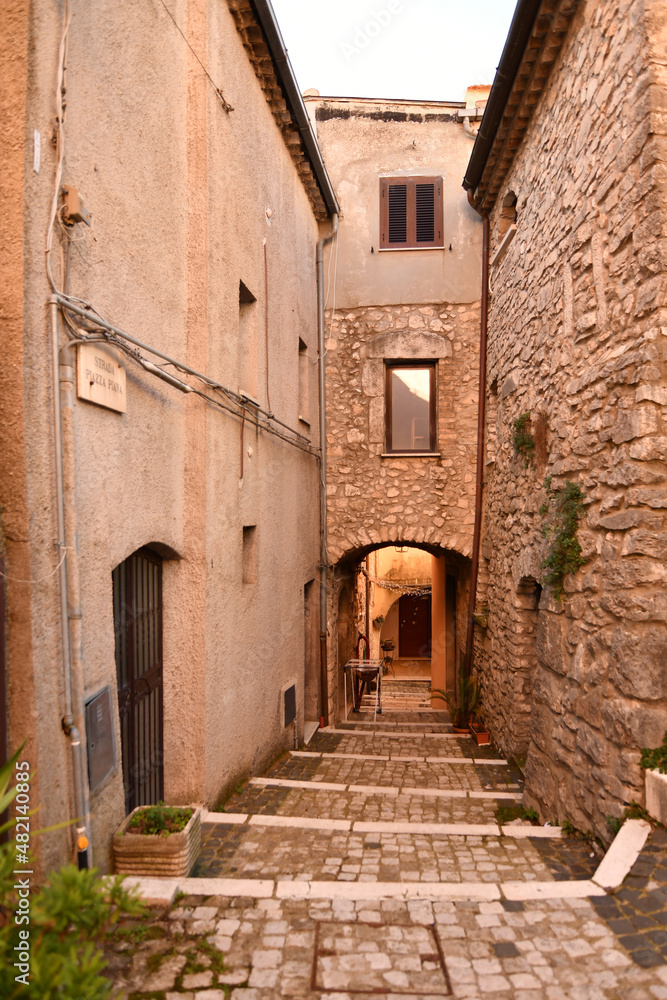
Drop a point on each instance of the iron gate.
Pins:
(137, 608)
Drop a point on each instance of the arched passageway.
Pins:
(408, 595)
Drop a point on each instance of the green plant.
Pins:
(614, 823)
(387, 643)
(655, 759)
(160, 819)
(466, 701)
(379, 620)
(569, 829)
(523, 441)
(505, 814)
(633, 811)
(70, 918)
(564, 508)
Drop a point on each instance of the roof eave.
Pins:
(534, 41)
(269, 24)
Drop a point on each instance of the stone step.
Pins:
(278, 847)
(392, 790)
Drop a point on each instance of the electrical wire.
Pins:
(219, 94)
(41, 579)
(101, 329)
(60, 140)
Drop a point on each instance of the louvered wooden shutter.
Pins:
(410, 213)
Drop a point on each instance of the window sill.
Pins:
(397, 249)
(410, 454)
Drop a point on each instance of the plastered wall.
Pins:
(178, 189)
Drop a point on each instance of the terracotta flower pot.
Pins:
(480, 733)
(154, 854)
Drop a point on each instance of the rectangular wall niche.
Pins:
(250, 560)
(289, 705)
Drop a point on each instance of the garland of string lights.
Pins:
(413, 589)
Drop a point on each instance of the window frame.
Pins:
(389, 367)
(411, 243)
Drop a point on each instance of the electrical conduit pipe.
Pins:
(324, 559)
(63, 389)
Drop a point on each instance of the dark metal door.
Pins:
(137, 609)
(414, 626)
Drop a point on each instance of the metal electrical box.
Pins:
(100, 738)
(290, 705)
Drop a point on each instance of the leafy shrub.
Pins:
(655, 759)
(71, 915)
(564, 507)
(523, 441)
(160, 819)
(467, 700)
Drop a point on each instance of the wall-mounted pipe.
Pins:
(324, 558)
(69, 609)
(469, 130)
(481, 416)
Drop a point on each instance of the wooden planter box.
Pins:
(152, 854)
(480, 733)
(656, 796)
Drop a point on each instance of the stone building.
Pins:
(569, 166)
(402, 355)
(186, 639)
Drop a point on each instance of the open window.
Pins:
(411, 213)
(410, 407)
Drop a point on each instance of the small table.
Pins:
(370, 670)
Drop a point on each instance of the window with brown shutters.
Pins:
(411, 213)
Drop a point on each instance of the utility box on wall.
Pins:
(100, 738)
(289, 705)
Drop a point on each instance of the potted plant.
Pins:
(158, 840)
(479, 732)
(463, 706)
(387, 644)
(379, 620)
(654, 763)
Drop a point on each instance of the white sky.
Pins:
(418, 380)
(419, 49)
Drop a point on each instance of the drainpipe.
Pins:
(324, 559)
(63, 386)
(368, 607)
(481, 413)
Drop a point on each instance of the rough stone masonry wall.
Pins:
(374, 500)
(578, 337)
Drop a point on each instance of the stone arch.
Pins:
(358, 544)
(450, 580)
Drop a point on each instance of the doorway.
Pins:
(137, 608)
(414, 626)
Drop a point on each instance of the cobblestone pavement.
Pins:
(352, 938)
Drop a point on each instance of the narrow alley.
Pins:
(372, 862)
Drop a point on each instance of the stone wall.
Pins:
(577, 338)
(374, 499)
